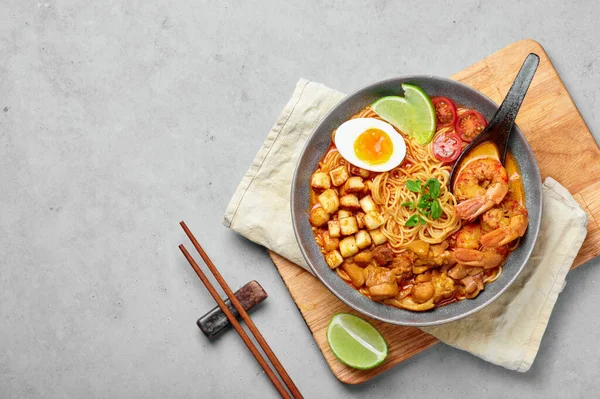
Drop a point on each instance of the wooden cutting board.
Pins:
(564, 149)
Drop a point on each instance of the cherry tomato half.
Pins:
(469, 125)
(447, 147)
(445, 111)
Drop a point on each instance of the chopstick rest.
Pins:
(215, 321)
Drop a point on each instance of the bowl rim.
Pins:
(293, 205)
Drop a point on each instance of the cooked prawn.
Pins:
(490, 219)
(468, 236)
(468, 249)
(459, 271)
(482, 184)
(512, 225)
(487, 258)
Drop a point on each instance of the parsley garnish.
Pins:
(428, 203)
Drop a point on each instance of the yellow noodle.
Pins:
(332, 160)
(343, 275)
(494, 276)
(389, 191)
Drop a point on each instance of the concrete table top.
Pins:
(119, 119)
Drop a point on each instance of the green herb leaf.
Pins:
(436, 209)
(433, 185)
(412, 221)
(428, 205)
(410, 205)
(424, 201)
(414, 186)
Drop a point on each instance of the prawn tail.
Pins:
(495, 237)
(472, 257)
(469, 257)
(472, 208)
(506, 234)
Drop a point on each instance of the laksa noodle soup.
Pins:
(384, 216)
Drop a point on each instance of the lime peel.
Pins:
(355, 342)
(413, 114)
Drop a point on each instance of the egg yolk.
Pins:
(373, 146)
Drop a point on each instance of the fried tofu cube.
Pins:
(378, 237)
(348, 225)
(363, 257)
(348, 247)
(320, 181)
(334, 259)
(339, 175)
(355, 170)
(350, 201)
(360, 219)
(329, 200)
(363, 239)
(318, 217)
(368, 205)
(354, 184)
(334, 229)
(329, 244)
(374, 220)
(344, 214)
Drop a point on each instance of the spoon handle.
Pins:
(503, 120)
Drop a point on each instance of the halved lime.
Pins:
(356, 342)
(413, 114)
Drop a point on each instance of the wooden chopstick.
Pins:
(235, 324)
(257, 335)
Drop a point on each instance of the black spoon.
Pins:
(500, 127)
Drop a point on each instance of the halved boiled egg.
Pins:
(370, 144)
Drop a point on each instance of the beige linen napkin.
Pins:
(508, 332)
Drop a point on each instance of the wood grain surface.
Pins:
(564, 149)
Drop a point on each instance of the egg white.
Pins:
(348, 132)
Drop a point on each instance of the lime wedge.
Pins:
(356, 342)
(413, 114)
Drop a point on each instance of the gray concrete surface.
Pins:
(118, 119)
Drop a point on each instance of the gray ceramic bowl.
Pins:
(317, 146)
